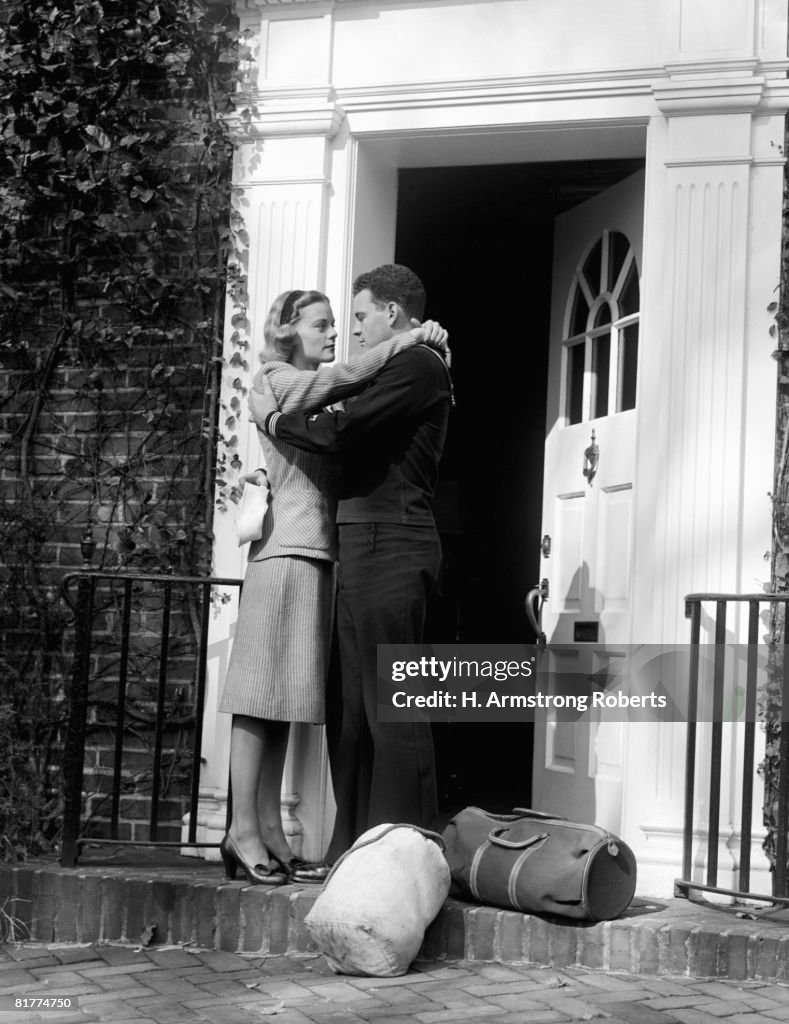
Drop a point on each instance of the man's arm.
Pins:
(409, 383)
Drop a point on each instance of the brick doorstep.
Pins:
(202, 909)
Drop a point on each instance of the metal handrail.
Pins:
(683, 886)
(74, 747)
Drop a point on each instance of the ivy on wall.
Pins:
(115, 233)
(770, 696)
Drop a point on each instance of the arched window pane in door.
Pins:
(629, 299)
(618, 247)
(601, 331)
(575, 389)
(601, 367)
(592, 267)
(628, 368)
(580, 314)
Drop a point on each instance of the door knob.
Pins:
(535, 599)
(591, 459)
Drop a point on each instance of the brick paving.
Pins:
(171, 984)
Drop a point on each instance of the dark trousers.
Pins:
(381, 771)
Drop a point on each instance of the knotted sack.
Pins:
(538, 862)
(380, 896)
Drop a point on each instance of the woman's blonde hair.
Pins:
(279, 331)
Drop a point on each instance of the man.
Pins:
(390, 439)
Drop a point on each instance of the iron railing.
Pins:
(726, 607)
(83, 604)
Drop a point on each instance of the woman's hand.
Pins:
(431, 333)
(258, 479)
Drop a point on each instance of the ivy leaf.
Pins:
(100, 137)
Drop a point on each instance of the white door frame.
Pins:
(684, 128)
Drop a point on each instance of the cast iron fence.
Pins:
(172, 598)
(771, 664)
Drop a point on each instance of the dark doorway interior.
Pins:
(481, 239)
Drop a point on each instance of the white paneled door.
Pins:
(588, 489)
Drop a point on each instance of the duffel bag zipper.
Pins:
(609, 837)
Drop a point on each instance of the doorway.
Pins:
(481, 239)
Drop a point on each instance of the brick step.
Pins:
(195, 905)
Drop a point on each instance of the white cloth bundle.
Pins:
(252, 508)
(370, 918)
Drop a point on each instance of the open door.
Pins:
(588, 488)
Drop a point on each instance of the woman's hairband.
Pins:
(287, 307)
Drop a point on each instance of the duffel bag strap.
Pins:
(496, 836)
(437, 839)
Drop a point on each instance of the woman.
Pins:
(278, 666)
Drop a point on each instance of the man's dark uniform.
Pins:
(390, 439)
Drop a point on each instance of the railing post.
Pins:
(121, 708)
(748, 748)
(716, 745)
(782, 816)
(205, 614)
(693, 609)
(74, 747)
(164, 648)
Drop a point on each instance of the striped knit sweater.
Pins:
(302, 504)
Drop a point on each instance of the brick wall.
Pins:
(121, 448)
(65, 506)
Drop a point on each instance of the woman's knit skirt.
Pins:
(280, 651)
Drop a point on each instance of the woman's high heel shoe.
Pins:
(257, 875)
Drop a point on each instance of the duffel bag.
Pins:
(539, 863)
(380, 896)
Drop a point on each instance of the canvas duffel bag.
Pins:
(539, 863)
(371, 915)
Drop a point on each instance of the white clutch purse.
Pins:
(252, 511)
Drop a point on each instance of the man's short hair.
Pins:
(394, 283)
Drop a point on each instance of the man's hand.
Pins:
(262, 403)
(431, 333)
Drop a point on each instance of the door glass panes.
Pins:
(629, 299)
(601, 366)
(628, 366)
(592, 267)
(575, 389)
(580, 313)
(618, 247)
(602, 348)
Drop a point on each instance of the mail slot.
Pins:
(586, 632)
